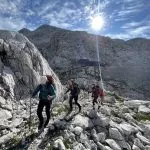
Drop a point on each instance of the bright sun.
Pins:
(97, 22)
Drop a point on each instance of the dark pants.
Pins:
(95, 100)
(41, 105)
(76, 102)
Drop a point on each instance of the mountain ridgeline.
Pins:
(72, 54)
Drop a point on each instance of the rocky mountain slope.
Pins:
(72, 54)
(21, 67)
(117, 125)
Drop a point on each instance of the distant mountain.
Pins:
(125, 64)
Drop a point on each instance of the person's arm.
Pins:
(36, 90)
(53, 94)
(67, 90)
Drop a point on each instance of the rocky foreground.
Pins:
(120, 124)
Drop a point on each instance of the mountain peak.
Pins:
(46, 27)
(24, 30)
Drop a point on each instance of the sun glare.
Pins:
(97, 22)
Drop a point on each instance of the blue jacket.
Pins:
(45, 90)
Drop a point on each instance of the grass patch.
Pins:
(141, 116)
(50, 147)
(117, 97)
(67, 143)
(60, 110)
(15, 140)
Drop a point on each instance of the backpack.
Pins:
(78, 89)
(45, 91)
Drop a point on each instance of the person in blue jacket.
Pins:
(47, 93)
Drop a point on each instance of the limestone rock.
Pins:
(101, 137)
(113, 144)
(143, 139)
(136, 103)
(128, 129)
(59, 144)
(83, 122)
(78, 130)
(138, 143)
(5, 114)
(144, 109)
(115, 134)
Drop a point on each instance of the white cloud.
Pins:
(142, 31)
(10, 7)
(119, 36)
(131, 25)
(12, 24)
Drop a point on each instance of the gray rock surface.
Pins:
(21, 69)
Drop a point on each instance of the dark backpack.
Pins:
(78, 89)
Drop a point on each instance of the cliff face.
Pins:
(72, 54)
(21, 67)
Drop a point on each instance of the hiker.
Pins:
(96, 93)
(46, 96)
(74, 92)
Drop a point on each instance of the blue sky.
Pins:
(124, 19)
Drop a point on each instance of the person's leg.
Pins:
(102, 100)
(76, 102)
(94, 101)
(70, 102)
(39, 113)
(47, 109)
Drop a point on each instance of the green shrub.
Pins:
(67, 143)
(142, 116)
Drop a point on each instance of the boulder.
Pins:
(83, 122)
(78, 130)
(105, 110)
(144, 109)
(124, 145)
(6, 138)
(5, 114)
(128, 129)
(101, 137)
(113, 144)
(115, 134)
(101, 120)
(138, 143)
(147, 147)
(143, 139)
(136, 103)
(59, 144)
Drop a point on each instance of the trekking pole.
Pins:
(30, 116)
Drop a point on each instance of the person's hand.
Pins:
(49, 97)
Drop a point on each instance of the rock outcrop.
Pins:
(72, 54)
(21, 67)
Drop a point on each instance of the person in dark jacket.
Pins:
(74, 92)
(46, 95)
